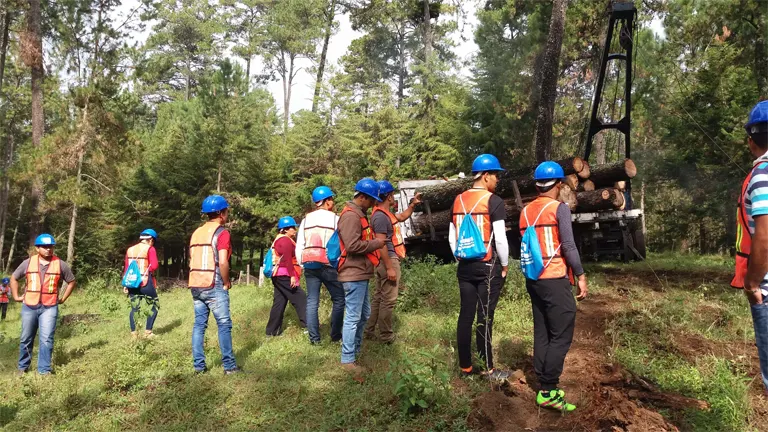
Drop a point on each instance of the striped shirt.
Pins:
(756, 201)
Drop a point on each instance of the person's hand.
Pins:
(583, 289)
(19, 298)
(416, 200)
(754, 295)
(227, 286)
(295, 282)
(504, 271)
(391, 274)
(62, 300)
(125, 290)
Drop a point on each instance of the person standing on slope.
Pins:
(478, 237)
(315, 231)
(286, 278)
(210, 249)
(554, 309)
(386, 227)
(752, 233)
(145, 256)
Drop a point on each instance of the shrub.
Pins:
(419, 385)
(428, 283)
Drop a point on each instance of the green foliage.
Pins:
(419, 385)
(428, 285)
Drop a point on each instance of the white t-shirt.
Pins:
(318, 217)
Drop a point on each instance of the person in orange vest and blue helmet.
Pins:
(209, 250)
(145, 255)
(5, 290)
(752, 233)
(43, 273)
(286, 278)
(554, 308)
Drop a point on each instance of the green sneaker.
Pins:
(555, 400)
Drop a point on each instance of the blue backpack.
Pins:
(531, 258)
(469, 241)
(132, 276)
(269, 261)
(333, 249)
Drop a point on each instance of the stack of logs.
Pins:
(585, 189)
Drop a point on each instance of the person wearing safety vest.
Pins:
(209, 251)
(315, 231)
(386, 227)
(752, 233)
(145, 256)
(359, 258)
(5, 289)
(480, 280)
(286, 278)
(554, 309)
(43, 273)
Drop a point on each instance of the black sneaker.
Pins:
(200, 371)
(232, 371)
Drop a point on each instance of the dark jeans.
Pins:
(3, 309)
(136, 301)
(477, 300)
(329, 277)
(554, 318)
(760, 321)
(282, 295)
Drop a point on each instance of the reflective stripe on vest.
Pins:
(545, 223)
(276, 257)
(140, 253)
(478, 200)
(202, 256)
(743, 236)
(366, 235)
(316, 238)
(397, 236)
(47, 290)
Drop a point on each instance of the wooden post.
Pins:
(248, 274)
(262, 279)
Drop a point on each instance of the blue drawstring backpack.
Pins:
(333, 249)
(269, 264)
(531, 258)
(469, 241)
(132, 276)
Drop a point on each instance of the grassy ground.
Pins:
(104, 381)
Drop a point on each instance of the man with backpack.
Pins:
(317, 234)
(386, 227)
(548, 255)
(359, 258)
(478, 238)
(209, 251)
(43, 273)
(139, 280)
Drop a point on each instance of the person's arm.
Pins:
(498, 214)
(223, 244)
(18, 274)
(380, 224)
(350, 232)
(300, 243)
(416, 200)
(758, 261)
(69, 277)
(152, 256)
(125, 265)
(452, 236)
(67, 292)
(284, 247)
(568, 249)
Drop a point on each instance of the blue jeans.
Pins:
(43, 317)
(760, 320)
(214, 300)
(315, 278)
(357, 310)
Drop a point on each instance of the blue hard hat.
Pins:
(385, 187)
(214, 203)
(758, 115)
(486, 162)
(322, 192)
(45, 240)
(548, 170)
(149, 232)
(368, 186)
(286, 222)
(6, 280)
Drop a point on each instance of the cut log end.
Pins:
(630, 168)
(585, 171)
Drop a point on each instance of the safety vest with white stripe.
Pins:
(45, 291)
(548, 233)
(475, 203)
(202, 255)
(140, 253)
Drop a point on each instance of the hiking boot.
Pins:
(234, 370)
(497, 374)
(555, 400)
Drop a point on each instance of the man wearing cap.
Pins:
(752, 233)
(554, 309)
(480, 279)
(209, 250)
(145, 256)
(43, 273)
(315, 231)
(386, 226)
(359, 258)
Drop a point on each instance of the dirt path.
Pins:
(608, 398)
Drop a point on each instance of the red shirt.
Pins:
(225, 243)
(287, 251)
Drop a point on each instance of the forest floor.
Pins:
(665, 349)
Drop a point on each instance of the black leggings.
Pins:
(3, 309)
(282, 295)
(139, 298)
(477, 300)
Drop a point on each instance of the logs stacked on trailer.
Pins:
(585, 189)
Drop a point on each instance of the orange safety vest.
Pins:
(47, 291)
(4, 294)
(276, 257)
(202, 256)
(397, 236)
(543, 216)
(475, 203)
(743, 236)
(367, 235)
(315, 240)
(140, 253)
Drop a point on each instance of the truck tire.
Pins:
(638, 238)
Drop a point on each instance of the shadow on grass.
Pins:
(62, 358)
(167, 328)
(7, 414)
